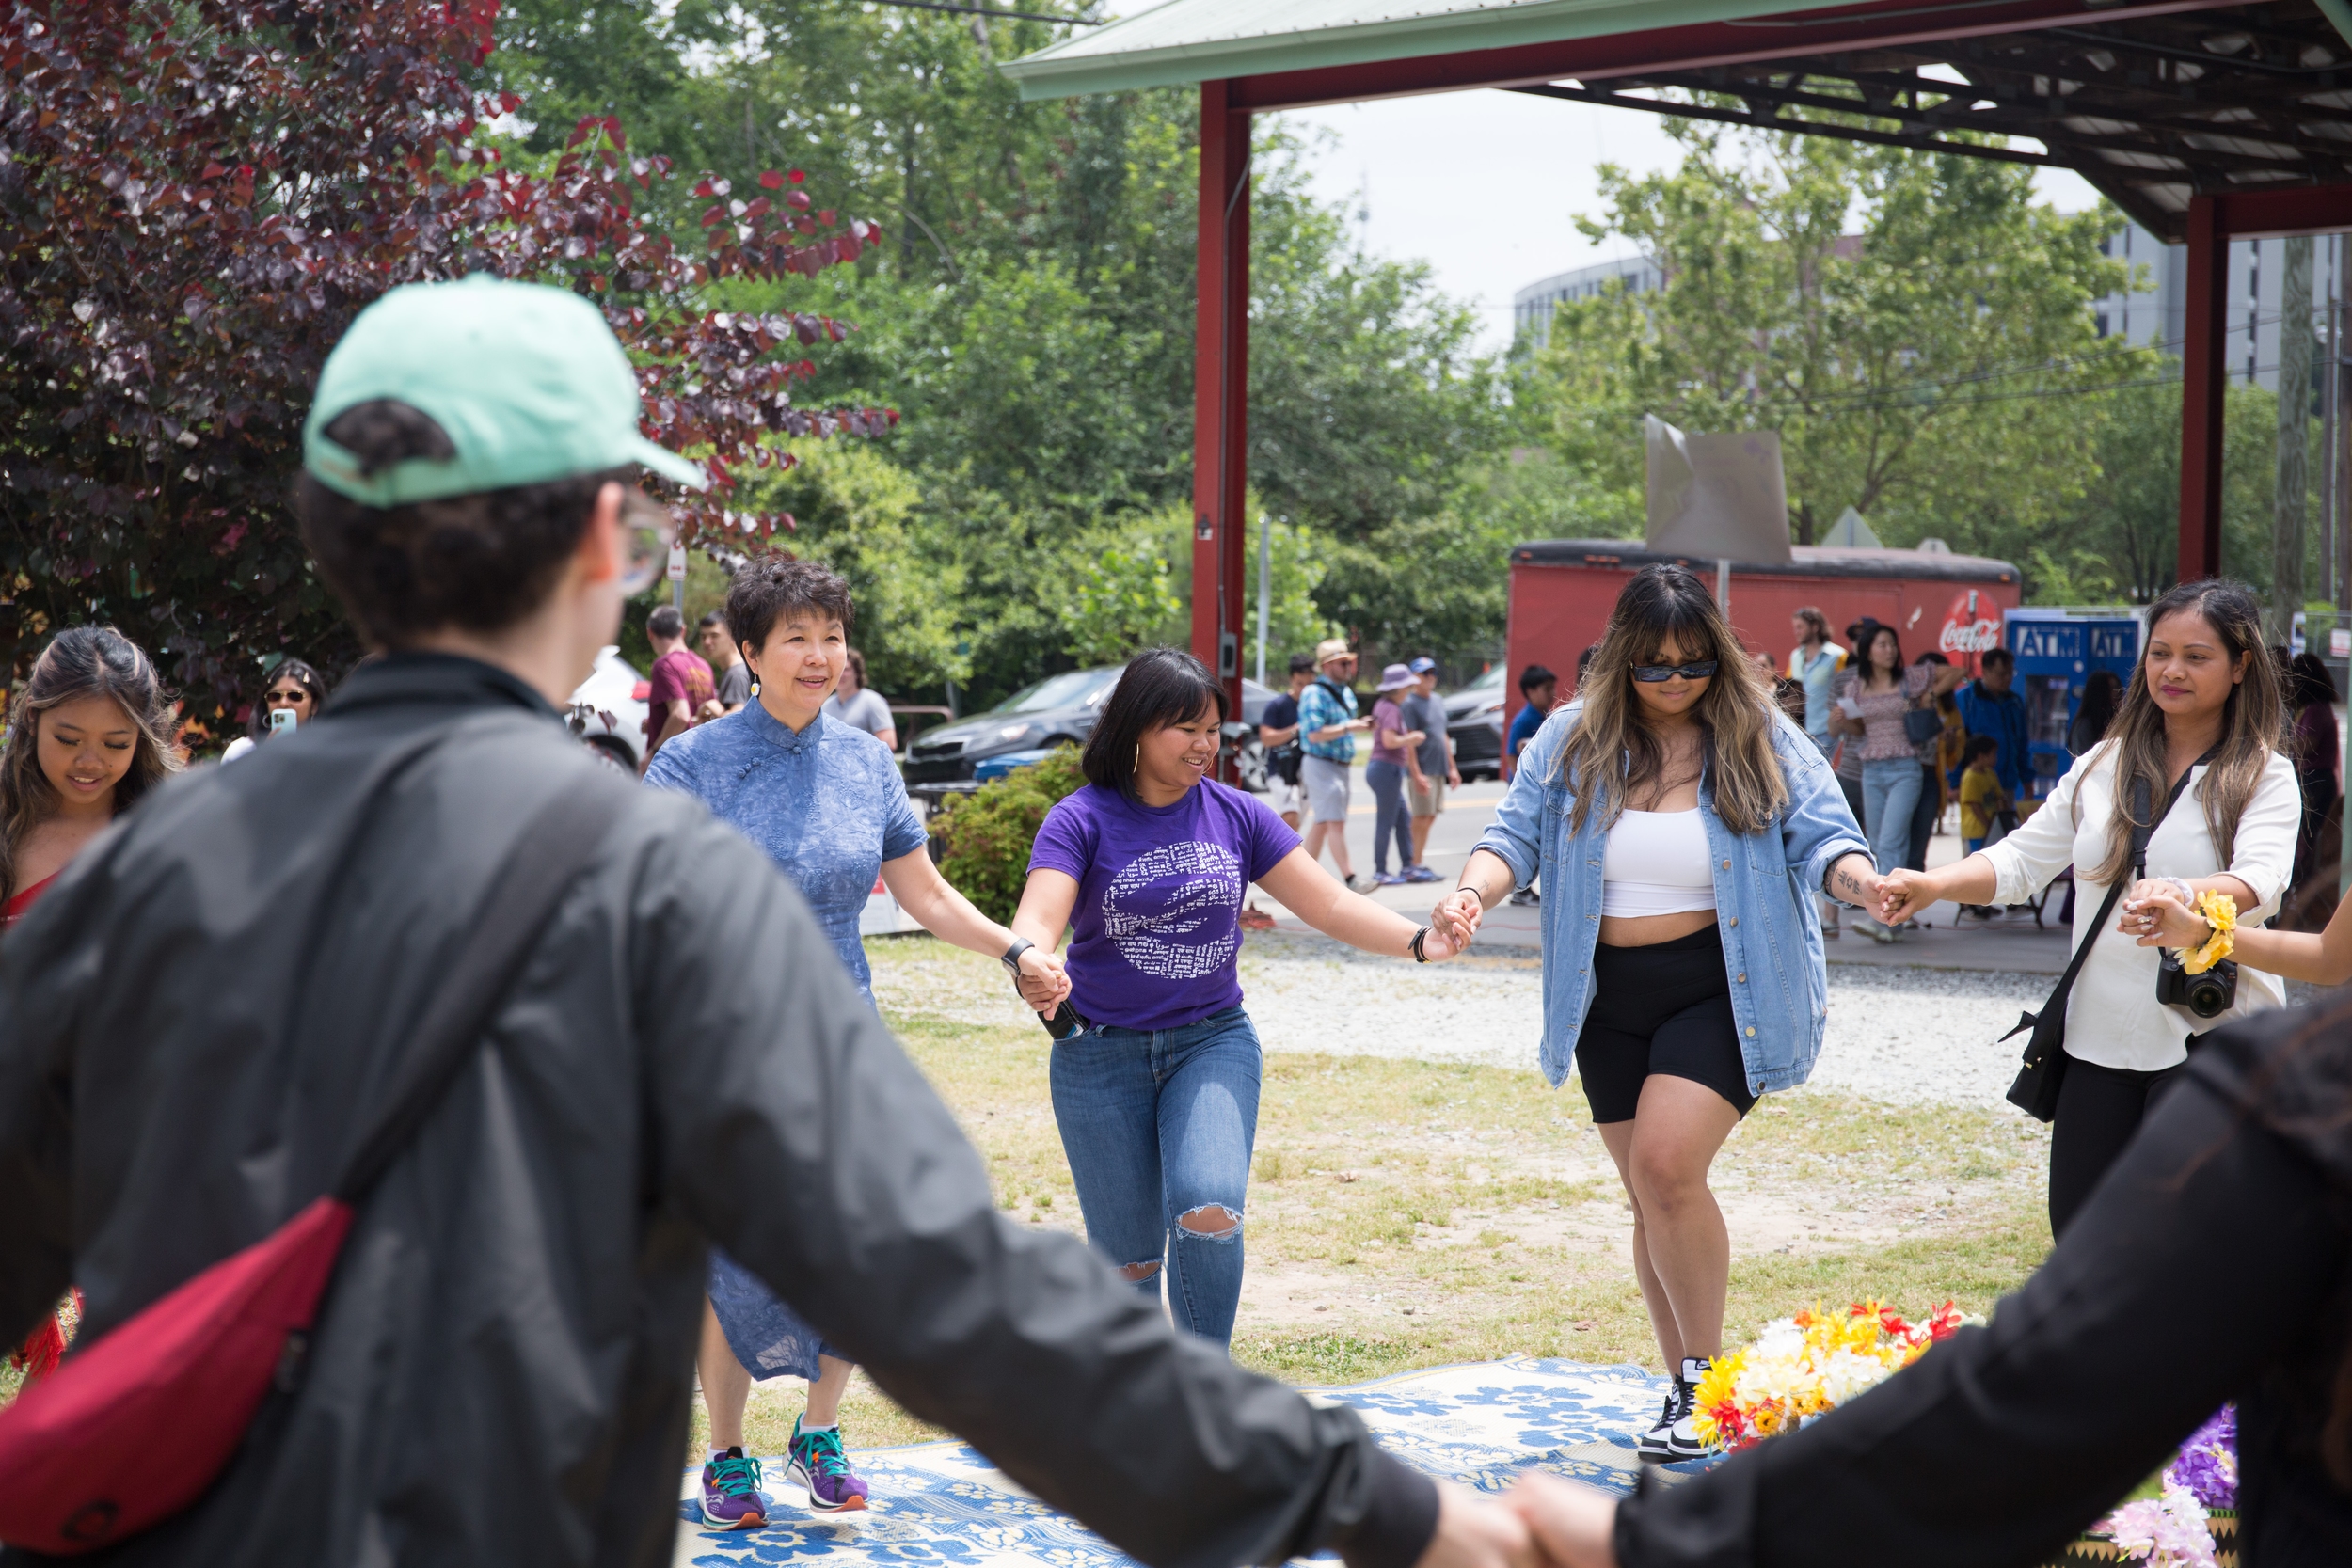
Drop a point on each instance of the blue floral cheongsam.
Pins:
(827, 805)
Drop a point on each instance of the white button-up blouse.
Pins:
(2113, 1018)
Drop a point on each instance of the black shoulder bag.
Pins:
(2036, 1090)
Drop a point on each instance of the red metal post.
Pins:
(1220, 390)
(2202, 378)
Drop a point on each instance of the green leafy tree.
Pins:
(1902, 365)
(1031, 315)
(985, 837)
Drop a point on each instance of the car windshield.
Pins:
(1490, 681)
(1074, 689)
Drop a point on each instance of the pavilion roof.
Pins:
(1191, 40)
(2151, 102)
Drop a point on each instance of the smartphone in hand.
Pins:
(1065, 1021)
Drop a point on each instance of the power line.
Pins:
(985, 10)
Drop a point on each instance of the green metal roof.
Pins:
(1192, 40)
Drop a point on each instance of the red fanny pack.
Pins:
(195, 1364)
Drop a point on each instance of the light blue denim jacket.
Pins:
(1764, 884)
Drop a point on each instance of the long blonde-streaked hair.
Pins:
(80, 661)
(1610, 752)
(2253, 725)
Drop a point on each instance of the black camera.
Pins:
(2207, 995)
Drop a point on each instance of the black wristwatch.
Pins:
(1012, 960)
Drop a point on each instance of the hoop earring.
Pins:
(1138, 765)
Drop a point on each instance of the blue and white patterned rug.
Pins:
(941, 1505)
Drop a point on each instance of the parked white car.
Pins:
(609, 710)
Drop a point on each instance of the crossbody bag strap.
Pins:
(546, 860)
(2141, 835)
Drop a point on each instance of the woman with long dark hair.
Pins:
(1681, 825)
(1872, 714)
(2103, 694)
(1156, 1090)
(87, 737)
(2203, 712)
(2312, 698)
(296, 690)
(2213, 1265)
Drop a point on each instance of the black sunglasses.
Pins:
(1650, 674)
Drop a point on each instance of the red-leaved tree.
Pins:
(195, 199)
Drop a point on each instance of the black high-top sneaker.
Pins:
(1655, 1445)
(1682, 1436)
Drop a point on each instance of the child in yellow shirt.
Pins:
(1981, 792)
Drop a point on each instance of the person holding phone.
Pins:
(293, 697)
(1155, 1083)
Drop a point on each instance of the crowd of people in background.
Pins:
(1694, 813)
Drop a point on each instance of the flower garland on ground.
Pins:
(2175, 1531)
(1803, 1365)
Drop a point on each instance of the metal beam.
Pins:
(1690, 48)
(1917, 142)
(1220, 390)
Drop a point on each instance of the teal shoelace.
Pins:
(736, 1477)
(824, 1453)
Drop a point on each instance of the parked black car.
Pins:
(1473, 718)
(1059, 711)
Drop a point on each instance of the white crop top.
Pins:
(1657, 864)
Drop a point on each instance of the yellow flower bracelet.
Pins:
(2220, 912)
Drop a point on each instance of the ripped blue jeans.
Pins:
(1158, 1126)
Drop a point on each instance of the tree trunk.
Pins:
(2294, 437)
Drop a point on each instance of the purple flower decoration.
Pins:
(2207, 1464)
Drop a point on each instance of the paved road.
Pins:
(2012, 944)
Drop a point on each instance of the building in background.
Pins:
(2154, 311)
(1532, 308)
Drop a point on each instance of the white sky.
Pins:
(1486, 185)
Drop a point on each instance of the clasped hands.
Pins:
(1042, 980)
(1541, 1522)
(2161, 912)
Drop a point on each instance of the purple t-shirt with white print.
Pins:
(1155, 937)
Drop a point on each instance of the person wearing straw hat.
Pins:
(1327, 733)
(1385, 774)
(499, 1370)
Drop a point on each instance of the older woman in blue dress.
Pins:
(1681, 824)
(824, 799)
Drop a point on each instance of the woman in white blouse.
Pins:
(2205, 700)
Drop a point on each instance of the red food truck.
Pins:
(1562, 590)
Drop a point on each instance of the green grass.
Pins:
(1484, 1200)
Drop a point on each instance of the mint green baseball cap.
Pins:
(527, 381)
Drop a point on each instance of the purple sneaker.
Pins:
(731, 1495)
(819, 1464)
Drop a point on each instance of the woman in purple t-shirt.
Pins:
(1156, 1096)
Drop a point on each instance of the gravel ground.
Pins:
(1908, 1035)
(1913, 1035)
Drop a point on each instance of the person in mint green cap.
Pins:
(501, 1368)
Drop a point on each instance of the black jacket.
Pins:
(191, 1019)
(2214, 1263)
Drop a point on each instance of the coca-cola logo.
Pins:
(1979, 638)
(1971, 627)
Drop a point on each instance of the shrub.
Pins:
(984, 838)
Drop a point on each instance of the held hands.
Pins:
(2153, 913)
(1574, 1526)
(1478, 1532)
(1042, 982)
(1903, 894)
(1455, 919)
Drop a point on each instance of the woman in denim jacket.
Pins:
(1682, 954)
